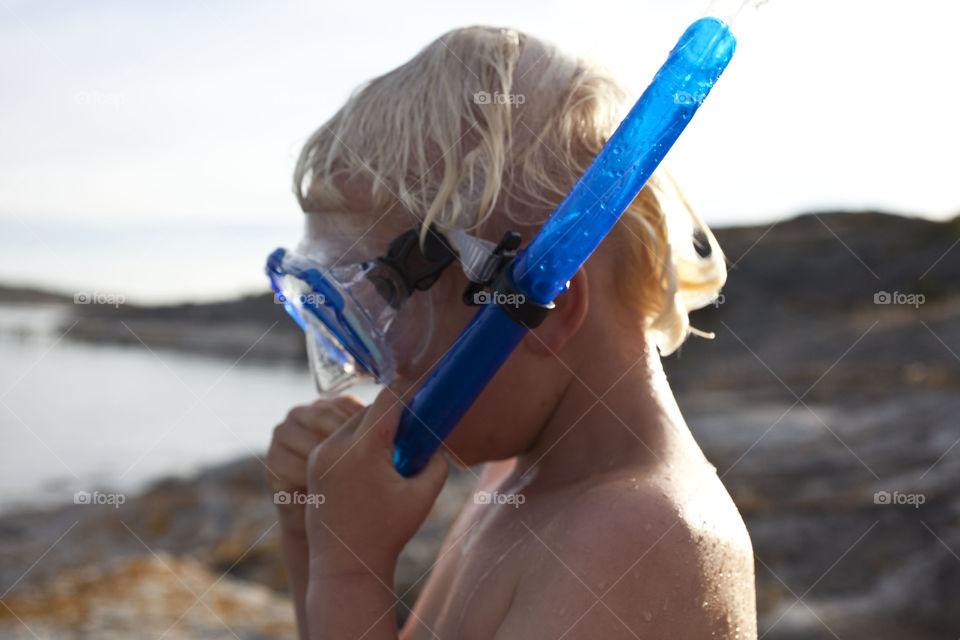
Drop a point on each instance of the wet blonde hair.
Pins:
(486, 130)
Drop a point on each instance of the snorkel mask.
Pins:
(347, 311)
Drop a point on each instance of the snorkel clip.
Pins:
(502, 292)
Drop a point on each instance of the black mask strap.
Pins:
(407, 268)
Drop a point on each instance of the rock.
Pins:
(818, 480)
(832, 421)
(221, 523)
(147, 596)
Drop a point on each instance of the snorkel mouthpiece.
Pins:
(563, 244)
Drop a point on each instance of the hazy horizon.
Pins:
(134, 137)
(214, 261)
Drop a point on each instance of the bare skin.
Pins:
(625, 530)
(612, 539)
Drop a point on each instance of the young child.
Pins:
(616, 525)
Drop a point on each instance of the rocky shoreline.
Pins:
(830, 414)
(205, 548)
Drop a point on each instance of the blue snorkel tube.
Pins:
(574, 230)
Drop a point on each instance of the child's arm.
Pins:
(303, 429)
(367, 513)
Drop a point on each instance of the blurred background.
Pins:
(146, 154)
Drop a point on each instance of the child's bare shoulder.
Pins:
(660, 551)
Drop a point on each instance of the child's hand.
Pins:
(303, 429)
(368, 510)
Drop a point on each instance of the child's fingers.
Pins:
(322, 419)
(430, 479)
(296, 438)
(348, 405)
(379, 425)
(325, 416)
(285, 469)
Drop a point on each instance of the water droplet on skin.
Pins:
(647, 616)
(601, 586)
(665, 602)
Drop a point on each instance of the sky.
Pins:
(146, 148)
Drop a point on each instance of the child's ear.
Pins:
(564, 320)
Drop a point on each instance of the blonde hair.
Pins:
(487, 129)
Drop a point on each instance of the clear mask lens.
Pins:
(348, 312)
(344, 318)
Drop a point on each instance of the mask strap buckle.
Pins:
(500, 258)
